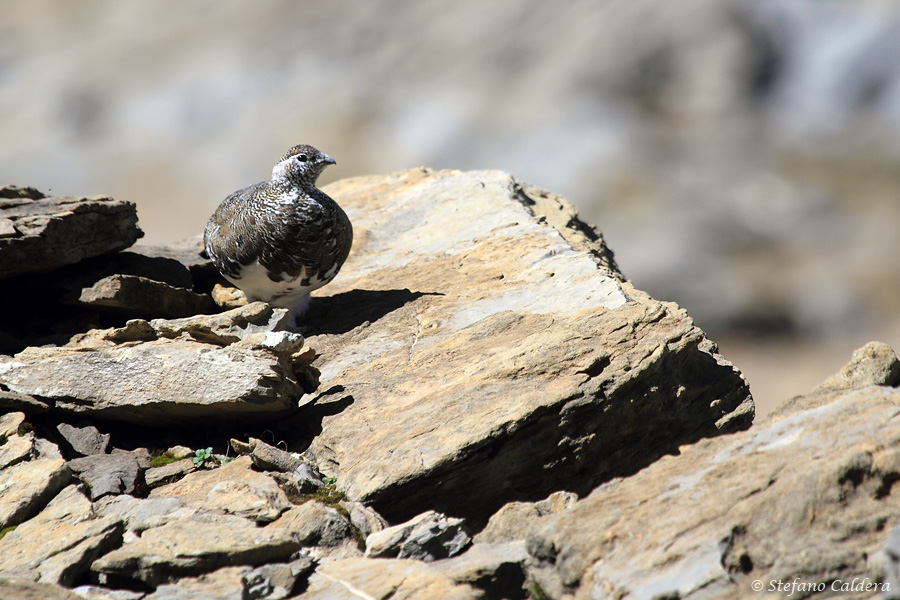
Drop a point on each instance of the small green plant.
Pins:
(330, 481)
(201, 456)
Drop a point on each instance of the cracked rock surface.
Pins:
(480, 341)
(479, 406)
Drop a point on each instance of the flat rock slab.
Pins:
(234, 365)
(140, 296)
(22, 589)
(141, 514)
(119, 473)
(314, 524)
(42, 234)
(233, 488)
(85, 440)
(26, 487)
(59, 544)
(807, 494)
(196, 545)
(269, 582)
(479, 344)
(383, 579)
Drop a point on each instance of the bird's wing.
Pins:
(227, 238)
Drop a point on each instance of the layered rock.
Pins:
(135, 295)
(233, 489)
(480, 343)
(479, 347)
(232, 365)
(427, 537)
(805, 495)
(34, 474)
(199, 544)
(349, 579)
(39, 234)
(59, 544)
(88, 284)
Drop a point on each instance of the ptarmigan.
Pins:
(279, 240)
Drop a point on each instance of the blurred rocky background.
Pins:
(742, 157)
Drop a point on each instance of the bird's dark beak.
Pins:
(328, 160)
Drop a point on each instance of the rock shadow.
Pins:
(293, 432)
(300, 430)
(344, 312)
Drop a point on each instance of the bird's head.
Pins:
(301, 165)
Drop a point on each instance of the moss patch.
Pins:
(163, 460)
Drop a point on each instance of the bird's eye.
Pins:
(302, 157)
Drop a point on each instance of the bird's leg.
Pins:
(298, 309)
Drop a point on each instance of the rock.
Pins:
(121, 473)
(461, 295)
(26, 487)
(355, 578)
(14, 401)
(15, 448)
(199, 544)
(10, 424)
(42, 234)
(47, 233)
(224, 584)
(59, 544)
(513, 521)
(278, 580)
(94, 592)
(807, 493)
(890, 559)
(131, 262)
(142, 514)
(427, 537)
(85, 440)
(218, 367)
(305, 479)
(497, 569)
(14, 588)
(233, 488)
(20, 191)
(46, 310)
(228, 327)
(135, 330)
(890, 556)
(180, 452)
(190, 253)
(268, 582)
(364, 518)
(139, 296)
(314, 524)
(873, 364)
(267, 457)
(228, 297)
(169, 473)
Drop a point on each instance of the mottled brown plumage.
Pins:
(279, 240)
